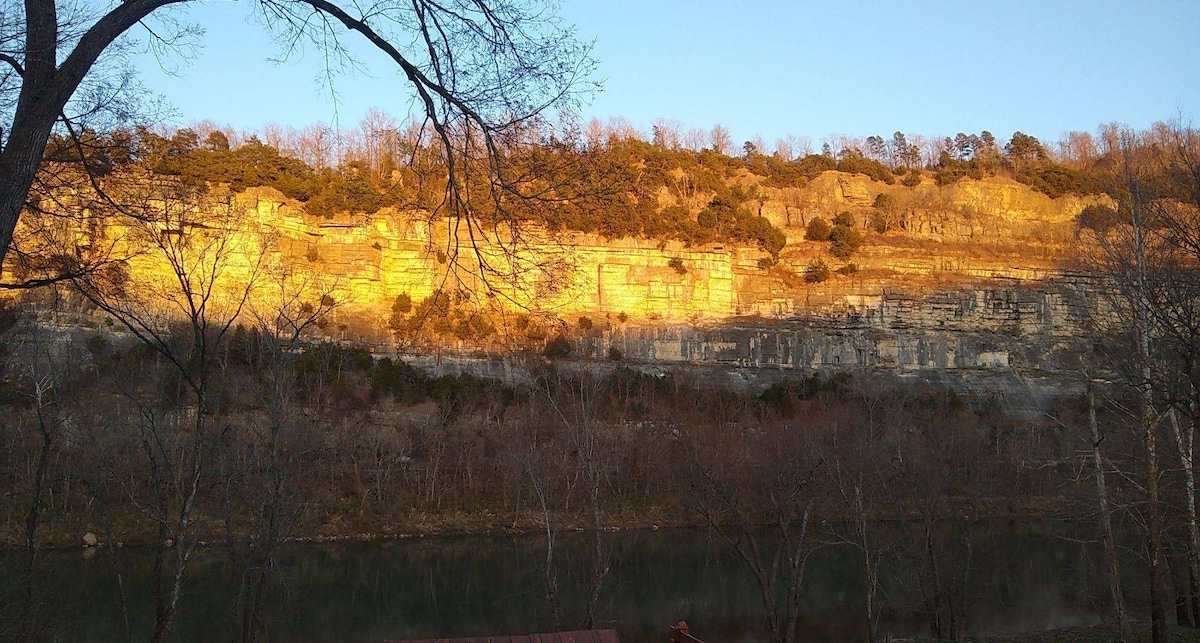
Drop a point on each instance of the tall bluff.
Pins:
(975, 232)
(373, 258)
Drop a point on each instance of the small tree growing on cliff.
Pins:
(845, 241)
(401, 307)
(818, 230)
(1100, 219)
(558, 348)
(817, 271)
(885, 213)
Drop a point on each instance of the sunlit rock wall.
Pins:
(993, 208)
(378, 256)
(951, 290)
(370, 259)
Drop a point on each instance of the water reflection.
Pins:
(1018, 578)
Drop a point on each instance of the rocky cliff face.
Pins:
(976, 230)
(967, 282)
(1034, 329)
(971, 210)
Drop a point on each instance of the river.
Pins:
(1000, 577)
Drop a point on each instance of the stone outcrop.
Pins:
(993, 208)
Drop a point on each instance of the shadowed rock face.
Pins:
(1025, 329)
(1020, 345)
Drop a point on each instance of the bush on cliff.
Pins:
(845, 241)
(817, 271)
(818, 230)
(1099, 219)
(558, 348)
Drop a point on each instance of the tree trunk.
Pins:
(1154, 527)
(1184, 443)
(1142, 320)
(31, 521)
(1110, 541)
(18, 165)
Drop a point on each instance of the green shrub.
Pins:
(1054, 180)
(872, 168)
(813, 165)
(844, 218)
(1098, 218)
(846, 241)
(98, 346)
(558, 348)
(818, 230)
(398, 380)
(816, 272)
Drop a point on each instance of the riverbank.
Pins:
(1139, 633)
(70, 531)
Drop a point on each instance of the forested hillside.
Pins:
(613, 180)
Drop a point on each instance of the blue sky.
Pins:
(807, 67)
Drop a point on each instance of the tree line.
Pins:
(594, 179)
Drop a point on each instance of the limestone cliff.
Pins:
(974, 237)
(987, 210)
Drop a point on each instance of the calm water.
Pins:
(1019, 578)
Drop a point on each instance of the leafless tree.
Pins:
(1077, 149)
(783, 149)
(578, 401)
(620, 128)
(197, 287)
(667, 132)
(289, 306)
(720, 140)
(316, 147)
(1134, 260)
(48, 372)
(695, 138)
(480, 69)
(1106, 511)
(753, 485)
(863, 473)
(533, 446)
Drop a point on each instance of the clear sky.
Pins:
(806, 67)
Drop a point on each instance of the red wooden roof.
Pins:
(582, 636)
